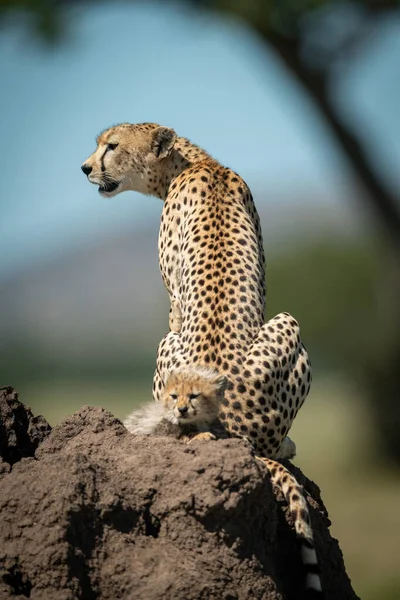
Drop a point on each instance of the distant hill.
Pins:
(105, 300)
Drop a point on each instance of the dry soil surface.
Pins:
(91, 512)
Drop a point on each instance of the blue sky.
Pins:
(211, 80)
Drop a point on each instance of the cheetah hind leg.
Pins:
(294, 495)
(278, 354)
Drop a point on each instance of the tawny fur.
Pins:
(212, 264)
(294, 495)
(189, 408)
(144, 420)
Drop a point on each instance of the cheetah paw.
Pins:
(205, 436)
(287, 449)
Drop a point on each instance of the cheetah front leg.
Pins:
(175, 316)
(175, 311)
(169, 356)
(202, 436)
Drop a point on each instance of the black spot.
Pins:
(304, 515)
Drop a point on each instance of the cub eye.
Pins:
(174, 396)
(111, 146)
(193, 396)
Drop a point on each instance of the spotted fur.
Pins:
(212, 264)
(294, 495)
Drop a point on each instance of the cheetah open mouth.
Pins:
(108, 186)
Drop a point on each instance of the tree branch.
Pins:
(381, 200)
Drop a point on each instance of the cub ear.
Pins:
(221, 382)
(163, 140)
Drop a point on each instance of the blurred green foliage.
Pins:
(330, 286)
(272, 15)
(47, 19)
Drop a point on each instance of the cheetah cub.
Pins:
(188, 409)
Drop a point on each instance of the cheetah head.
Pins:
(130, 157)
(193, 395)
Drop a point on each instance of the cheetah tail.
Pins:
(294, 496)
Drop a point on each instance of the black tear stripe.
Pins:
(102, 161)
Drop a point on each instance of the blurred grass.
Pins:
(58, 399)
(336, 448)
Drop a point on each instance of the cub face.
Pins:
(191, 397)
(129, 157)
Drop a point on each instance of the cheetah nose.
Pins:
(86, 169)
(183, 410)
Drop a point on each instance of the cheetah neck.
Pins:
(184, 155)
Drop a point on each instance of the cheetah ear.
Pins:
(163, 140)
(221, 382)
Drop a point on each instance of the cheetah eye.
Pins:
(174, 396)
(111, 146)
(193, 396)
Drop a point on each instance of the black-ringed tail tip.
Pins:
(312, 571)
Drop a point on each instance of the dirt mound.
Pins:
(20, 432)
(97, 514)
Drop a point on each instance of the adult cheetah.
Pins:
(212, 264)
